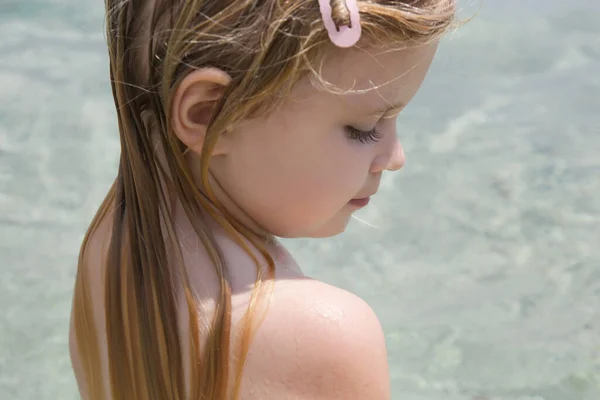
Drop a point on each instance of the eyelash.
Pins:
(365, 137)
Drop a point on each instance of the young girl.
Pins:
(242, 121)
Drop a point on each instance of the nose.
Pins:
(391, 157)
(396, 159)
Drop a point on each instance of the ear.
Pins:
(193, 105)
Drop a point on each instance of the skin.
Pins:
(292, 174)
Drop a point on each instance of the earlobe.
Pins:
(193, 104)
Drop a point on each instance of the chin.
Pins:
(320, 233)
(331, 228)
(323, 235)
(330, 231)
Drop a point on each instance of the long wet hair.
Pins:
(265, 46)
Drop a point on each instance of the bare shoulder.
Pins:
(318, 342)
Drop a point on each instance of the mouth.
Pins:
(362, 202)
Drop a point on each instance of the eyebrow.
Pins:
(386, 108)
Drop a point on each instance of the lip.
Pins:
(362, 202)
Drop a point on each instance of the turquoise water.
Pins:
(484, 262)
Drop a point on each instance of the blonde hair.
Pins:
(265, 46)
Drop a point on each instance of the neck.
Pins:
(231, 208)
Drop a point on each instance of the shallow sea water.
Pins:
(484, 263)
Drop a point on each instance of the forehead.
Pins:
(375, 77)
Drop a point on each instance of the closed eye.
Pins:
(366, 137)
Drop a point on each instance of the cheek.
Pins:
(291, 184)
(300, 199)
(315, 175)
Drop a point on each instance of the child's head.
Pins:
(276, 123)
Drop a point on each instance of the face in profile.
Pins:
(299, 171)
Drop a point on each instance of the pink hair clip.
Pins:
(345, 36)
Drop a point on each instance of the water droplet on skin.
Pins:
(331, 313)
